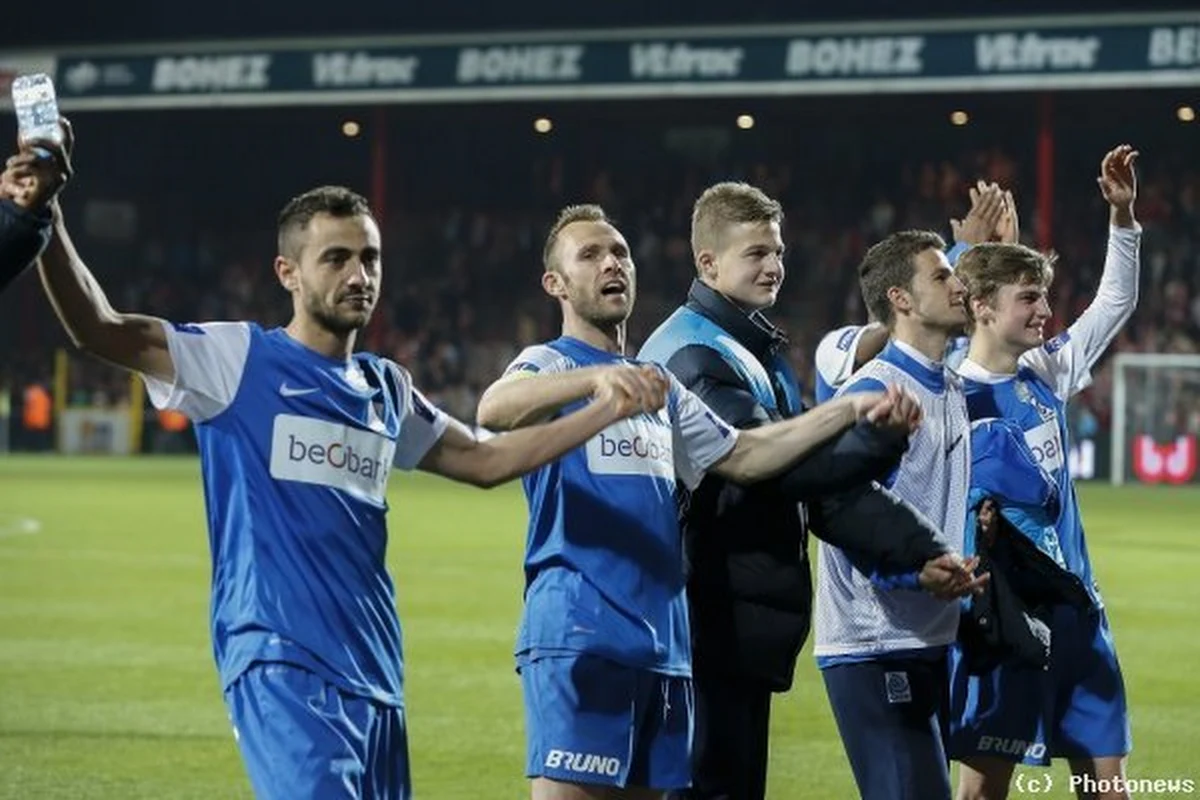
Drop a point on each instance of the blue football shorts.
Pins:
(301, 736)
(1075, 708)
(590, 720)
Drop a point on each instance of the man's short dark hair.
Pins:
(336, 201)
(889, 263)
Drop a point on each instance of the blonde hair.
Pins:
(723, 205)
(584, 212)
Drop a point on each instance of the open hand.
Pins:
(1118, 181)
(984, 216)
(1008, 229)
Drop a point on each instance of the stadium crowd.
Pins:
(461, 292)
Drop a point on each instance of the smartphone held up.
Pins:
(36, 106)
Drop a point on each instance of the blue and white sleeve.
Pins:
(1065, 362)
(955, 252)
(536, 359)
(835, 358)
(421, 422)
(699, 437)
(209, 360)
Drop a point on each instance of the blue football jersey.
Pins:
(604, 552)
(295, 450)
(1035, 398)
(1030, 402)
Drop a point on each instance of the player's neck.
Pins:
(929, 342)
(608, 339)
(320, 339)
(992, 356)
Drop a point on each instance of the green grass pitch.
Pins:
(107, 687)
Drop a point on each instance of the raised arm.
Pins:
(129, 340)
(132, 341)
(486, 461)
(25, 220)
(1066, 360)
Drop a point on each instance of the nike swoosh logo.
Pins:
(288, 391)
(954, 444)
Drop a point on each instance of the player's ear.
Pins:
(288, 273)
(900, 299)
(706, 266)
(552, 283)
(981, 310)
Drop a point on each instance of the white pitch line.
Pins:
(18, 526)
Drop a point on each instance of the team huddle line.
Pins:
(668, 589)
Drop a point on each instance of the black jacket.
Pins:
(749, 584)
(23, 236)
(1009, 623)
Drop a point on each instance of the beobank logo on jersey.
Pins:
(635, 446)
(327, 454)
(1046, 445)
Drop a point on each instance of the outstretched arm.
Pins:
(540, 383)
(487, 461)
(523, 398)
(861, 453)
(769, 450)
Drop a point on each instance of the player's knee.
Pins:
(1100, 778)
(984, 779)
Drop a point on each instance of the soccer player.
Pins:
(880, 645)
(1075, 709)
(603, 650)
(24, 224)
(749, 584)
(993, 213)
(297, 437)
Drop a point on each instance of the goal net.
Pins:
(1156, 418)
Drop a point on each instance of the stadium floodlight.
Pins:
(1156, 418)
